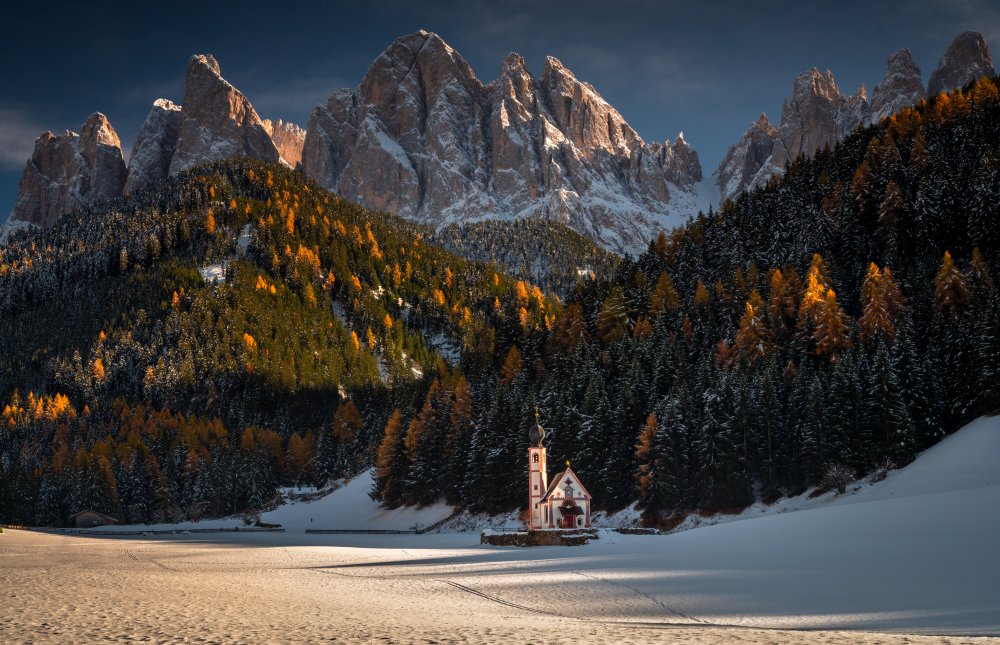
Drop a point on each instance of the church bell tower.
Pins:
(538, 479)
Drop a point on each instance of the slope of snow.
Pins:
(350, 507)
(967, 460)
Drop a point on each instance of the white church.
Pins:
(562, 504)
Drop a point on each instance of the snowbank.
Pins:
(350, 507)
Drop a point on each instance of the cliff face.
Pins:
(288, 138)
(217, 121)
(817, 115)
(421, 136)
(70, 171)
(901, 86)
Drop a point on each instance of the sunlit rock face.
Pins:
(217, 121)
(69, 171)
(421, 136)
(288, 138)
(966, 59)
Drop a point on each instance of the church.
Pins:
(562, 504)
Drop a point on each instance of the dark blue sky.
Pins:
(707, 68)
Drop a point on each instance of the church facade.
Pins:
(563, 503)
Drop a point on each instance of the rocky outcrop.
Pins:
(747, 163)
(966, 59)
(155, 145)
(70, 171)
(424, 138)
(217, 121)
(288, 138)
(901, 87)
(817, 115)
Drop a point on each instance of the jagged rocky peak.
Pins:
(423, 137)
(69, 171)
(745, 164)
(817, 115)
(288, 138)
(901, 86)
(218, 121)
(966, 59)
(582, 115)
(155, 145)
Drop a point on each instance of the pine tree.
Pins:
(647, 456)
(752, 338)
(951, 294)
(390, 466)
(881, 302)
(830, 331)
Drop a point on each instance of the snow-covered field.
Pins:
(916, 554)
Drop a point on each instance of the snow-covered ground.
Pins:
(916, 553)
(350, 507)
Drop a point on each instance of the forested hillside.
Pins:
(827, 326)
(545, 253)
(185, 350)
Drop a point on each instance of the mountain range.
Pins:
(423, 137)
(819, 115)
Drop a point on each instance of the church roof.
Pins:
(558, 479)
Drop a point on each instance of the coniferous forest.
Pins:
(825, 327)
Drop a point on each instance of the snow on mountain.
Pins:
(422, 137)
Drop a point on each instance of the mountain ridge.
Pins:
(819, 115)
(450, 148)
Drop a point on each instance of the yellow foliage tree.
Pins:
(97, 369)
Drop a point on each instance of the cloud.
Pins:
(17, 138)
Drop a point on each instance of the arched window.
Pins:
(546, 513)
(534, 458)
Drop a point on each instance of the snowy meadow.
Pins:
(912, 555)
